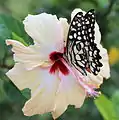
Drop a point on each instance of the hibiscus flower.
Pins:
(41, 67)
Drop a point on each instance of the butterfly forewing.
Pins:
(81, 49)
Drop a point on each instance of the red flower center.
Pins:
(58, 65)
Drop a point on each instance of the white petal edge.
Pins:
(69, 93)
(43, 88)
(97, 31)
(105, 70)
(45, 29)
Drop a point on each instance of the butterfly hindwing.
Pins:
(81, 49)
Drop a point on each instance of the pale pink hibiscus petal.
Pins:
(42, 84)
(70, 92)
(65, 26)
(45, 29)
(93, 80)
(31, 56)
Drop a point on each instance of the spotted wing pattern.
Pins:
(81, 49)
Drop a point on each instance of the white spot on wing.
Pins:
(70, 36)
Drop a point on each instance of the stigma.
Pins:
(58, 65)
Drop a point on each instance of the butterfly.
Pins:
(81, 49)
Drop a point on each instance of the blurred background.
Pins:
(12, 12)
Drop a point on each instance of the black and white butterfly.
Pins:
(81, 49)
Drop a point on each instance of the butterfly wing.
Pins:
(81, 49)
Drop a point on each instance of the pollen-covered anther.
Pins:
(56, 58)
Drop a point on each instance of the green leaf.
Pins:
(106, 108)
(3, 95)
(26, 93)
(15, 27)
(115, 100)
(46, 116)
(4, 34)
(18, 38)
(9, 61)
